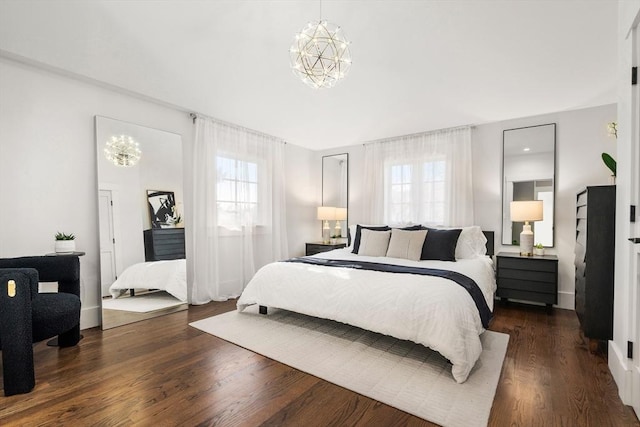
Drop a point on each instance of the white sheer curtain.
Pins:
(239, 219)
(421, 179)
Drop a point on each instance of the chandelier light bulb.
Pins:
(122, 150)
(320, 56)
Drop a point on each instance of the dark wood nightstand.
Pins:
(529, 278)
(317, 247)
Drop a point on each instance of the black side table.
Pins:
(317, 247)
(529, 278)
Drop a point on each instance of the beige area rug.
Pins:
(402, 374)
(143, 303)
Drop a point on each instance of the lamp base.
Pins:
(526, 240)
(326, 232)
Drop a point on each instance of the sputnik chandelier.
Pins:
(320, 54)
(122, 150)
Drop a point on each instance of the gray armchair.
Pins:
(27, 316)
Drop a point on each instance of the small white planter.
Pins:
(64, 246)
(538, 252)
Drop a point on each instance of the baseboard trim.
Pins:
(566, 300)
(619, 368)
(90, 317)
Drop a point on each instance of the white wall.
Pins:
(301, 184)
(48, 159)
(48, 164)
(581, 137)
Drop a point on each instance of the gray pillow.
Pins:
(374, 243)
(406, 244)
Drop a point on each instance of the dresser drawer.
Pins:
(528, 285)
(529, 264)
(529, 275)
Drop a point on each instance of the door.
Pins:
(635, 228)
(107, 241)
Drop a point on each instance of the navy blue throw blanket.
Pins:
(466, 282)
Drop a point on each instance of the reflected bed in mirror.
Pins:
(335, 188)
(142, 256)
(528, 173)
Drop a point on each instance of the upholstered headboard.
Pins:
(490, 235)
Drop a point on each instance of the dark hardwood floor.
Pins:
(163, 372)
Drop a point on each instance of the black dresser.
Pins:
(163, 243)
(594, 260)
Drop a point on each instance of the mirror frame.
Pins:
(345, 229)
(104, 124)
(505, 215)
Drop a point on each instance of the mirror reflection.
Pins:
(140, 194)
(335, 187)
(529, 174)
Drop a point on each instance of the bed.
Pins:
(434, 311)
(165, 267)
(169, 276)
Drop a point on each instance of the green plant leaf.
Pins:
(610, 163)
(63, 236)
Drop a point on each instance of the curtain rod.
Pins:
(409, 135)
(194, 116)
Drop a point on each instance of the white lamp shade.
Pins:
(530, 210)
(326, 213)
(341, 214)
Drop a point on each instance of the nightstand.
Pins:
(317, 247)
(529, 278)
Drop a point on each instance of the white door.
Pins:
(107, 241)
(635, 230)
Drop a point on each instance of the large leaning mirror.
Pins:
(142, 252)
(335, 188)
(528, 173)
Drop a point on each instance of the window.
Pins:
(237, 192)
(415, 192)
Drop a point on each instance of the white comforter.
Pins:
(432, 311)
(169, 276)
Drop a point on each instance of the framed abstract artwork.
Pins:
(162, 208)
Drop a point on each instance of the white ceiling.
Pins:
(417, 65)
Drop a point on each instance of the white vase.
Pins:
(65, 246)
(538, 251)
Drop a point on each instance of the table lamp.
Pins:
(525, 211)
(326, 214)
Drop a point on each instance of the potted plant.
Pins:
(65, 242)
(538, 249)
(609, 161)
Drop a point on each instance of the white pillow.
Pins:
(472, 243)
(406, 244)
(354, 227)
(374, 243)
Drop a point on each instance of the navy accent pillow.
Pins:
(413, 227)
(356, 240)
(440, 244)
